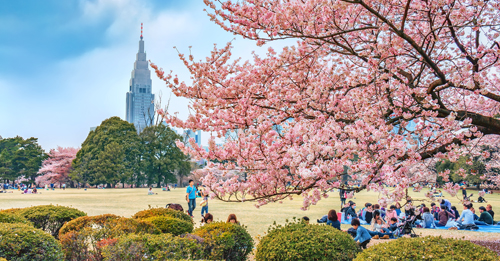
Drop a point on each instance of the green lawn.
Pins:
(126, 202)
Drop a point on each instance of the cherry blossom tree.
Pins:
(56, 168)
(370, 89)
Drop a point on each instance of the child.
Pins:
(362, 234)
(207, 219)
(393, 224)
(204, 204)
(232, 219)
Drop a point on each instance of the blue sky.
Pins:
(65, 65)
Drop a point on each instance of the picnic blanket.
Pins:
(488, 229)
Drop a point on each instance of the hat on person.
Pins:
(482, 208)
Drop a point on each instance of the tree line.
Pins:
(114, 153)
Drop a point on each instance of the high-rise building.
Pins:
(140, 99)
(192, 134)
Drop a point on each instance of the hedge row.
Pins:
(165, 234)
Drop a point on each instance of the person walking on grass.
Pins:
(191, 197)
(204, 204)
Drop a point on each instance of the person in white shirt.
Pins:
(467, 217)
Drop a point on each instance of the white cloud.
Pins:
(80, 92)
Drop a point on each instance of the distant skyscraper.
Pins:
(195, 135)
(140, 100)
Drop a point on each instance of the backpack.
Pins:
(174, 206)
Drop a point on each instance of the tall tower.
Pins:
(140, 99)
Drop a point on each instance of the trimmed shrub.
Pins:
(300, 241)
(133, 247)
(171, 225)
(11, 210)
(6, 217)
(85, 237)
(87, 221)
(166, 212)
(50, 218)
(427, 248)
(225, 241)
(19, 242)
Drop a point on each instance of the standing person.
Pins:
(447, 203)
(464, 191)
(64, 186)
(204, 204)
(362, 234)
(333, 219)
(343, 196)
(191, 197)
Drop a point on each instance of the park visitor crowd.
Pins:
(390, 223)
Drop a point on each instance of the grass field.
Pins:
(126, 202)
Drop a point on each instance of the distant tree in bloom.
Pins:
(370, 89)
(56, 168)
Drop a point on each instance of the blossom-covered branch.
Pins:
(370, 89)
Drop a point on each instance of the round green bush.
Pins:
(50, 218)
(167, 212)
(6, 217)
(84, 237)
(20, 242)
(225, 241)
(427, 248)
(171, 225)
(152, 247)
(300, 241)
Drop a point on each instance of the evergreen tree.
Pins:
(108, 155)
(20, 158)
(161, 159)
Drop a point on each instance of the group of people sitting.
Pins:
(384, 223)
(33, 190)
(443, 216)
(209, 218)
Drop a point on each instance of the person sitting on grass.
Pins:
(207, 219)
(443, 217)
(490, 210)
(362, 236)
(485, 217)
(350, 211)
(455, 212)
(398, 208)
(333, 219)
(393, 224)
(467, 217)
(150, 191)
(305, 220)
(391, 212)
(428, 218)
(232, 219)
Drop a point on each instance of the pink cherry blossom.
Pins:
(56, 168)
(374, 90)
